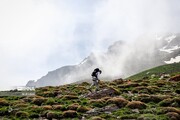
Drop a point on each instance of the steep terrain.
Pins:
(141, 97)
(121, 60)
(172, 69)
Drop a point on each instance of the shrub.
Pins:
(128, 85)
(161, 83)
(129, 117)
(158, 98)
(97, 118)
(4, 111)
(166, 102)
(140, 89)
(106, 98)
(114, 90)
(47, 107)
(177, 100)
(178, 91)
(36, 109)
(80, 88)
(118, 81)
(48, 94)
(153, 89)
(70, 97)
(97, 103)
(170, 109)
(39, 101)
(85, 84)
(27, 99)
(58, 107)
(34, 115)
(3, 102)
(44, 113)
(55, 115)
(152, 117)
(73, 106)
(50, 101)
(173, 115)
(83, 109)
(151, 98)
(69, 113)
(144, 98)
(143, 84)
(21, 105)
(175, 78)
(136, 105)
(22, 114)
(120, 102)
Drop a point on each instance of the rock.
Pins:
(153, 76)
(94, 111)
(106, 109)
(110, 108)
(103, 93)
(135, 110)
(164, 76)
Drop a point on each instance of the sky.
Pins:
(37, 36)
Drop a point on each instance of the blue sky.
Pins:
(37, 36)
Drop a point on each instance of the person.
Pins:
(95, 79)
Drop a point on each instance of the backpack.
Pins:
(94, 74)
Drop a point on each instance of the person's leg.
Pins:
(97, 85)
(92, 84)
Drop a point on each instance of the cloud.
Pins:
(31, 32)
(127, 19)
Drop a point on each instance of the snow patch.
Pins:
(170, 38)
(173, 60)
(172, 49)
(83, 61)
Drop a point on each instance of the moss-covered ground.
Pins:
(150, 98)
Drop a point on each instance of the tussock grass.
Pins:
(120, 102)
(69, 114)
(3, 102)
(136, 105)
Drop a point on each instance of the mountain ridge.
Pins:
(121, 60)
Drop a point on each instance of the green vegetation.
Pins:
(171, 69)
(141, 99)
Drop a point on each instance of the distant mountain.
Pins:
(121, 60)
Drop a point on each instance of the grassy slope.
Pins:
(171, 69)
(151, 99)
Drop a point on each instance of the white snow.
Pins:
(170, 38)
(83, 61)
(169, 50)
(173, 60)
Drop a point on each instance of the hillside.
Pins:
(157, 71)
(138, 99)
(121, 60)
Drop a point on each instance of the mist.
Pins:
(41, 36)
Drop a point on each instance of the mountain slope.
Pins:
(166, 69)
(118, 99)
(121, 60)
